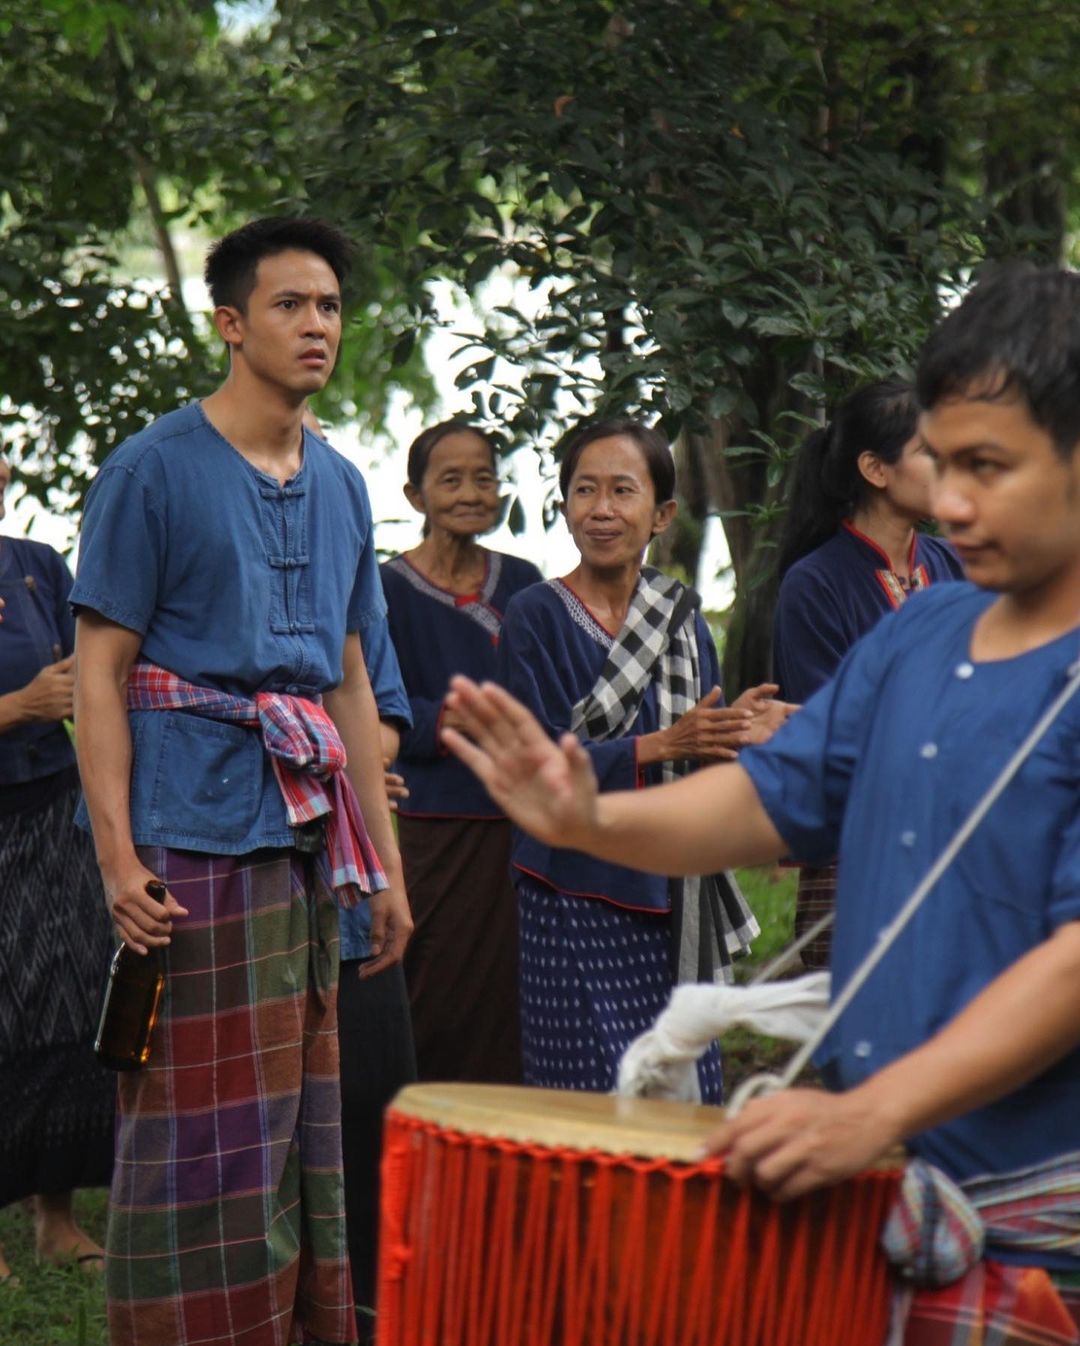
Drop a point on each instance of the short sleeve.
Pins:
(366, 602)
(803, 774)
(384, 672)
(121, 550)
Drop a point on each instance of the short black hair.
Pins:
(1017, 333)
(233, 260)
(650, 441)
(421, 448)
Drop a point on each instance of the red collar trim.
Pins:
(869, 541)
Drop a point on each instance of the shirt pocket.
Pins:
(207, 780)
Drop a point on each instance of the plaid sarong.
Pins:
(936, 1234)
(307, 756)
(657, 640)
(226, 1218)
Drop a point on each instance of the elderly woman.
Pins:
(619, 654)
(55, 934)
(445, 600)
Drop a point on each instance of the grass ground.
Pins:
(55, 1306)
(52, 1306)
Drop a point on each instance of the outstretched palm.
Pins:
(548, 789)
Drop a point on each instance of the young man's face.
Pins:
(289, 332)
(1008, 502)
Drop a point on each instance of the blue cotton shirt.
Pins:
(36, 629)
(882, 766)
(553, 651)
(233, 581)
(437, 634)
(834, 595)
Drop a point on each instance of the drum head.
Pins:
(565, 1118)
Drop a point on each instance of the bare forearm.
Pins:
(707, 821)
(1019, 1026)
(390, 739)
(103, 745)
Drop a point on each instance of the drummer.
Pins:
(965, 1042)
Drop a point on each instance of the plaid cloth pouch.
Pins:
(936, 1235)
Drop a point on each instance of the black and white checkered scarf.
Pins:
(711, 920)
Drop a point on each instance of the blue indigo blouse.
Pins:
(835, 594)
(36, 629)
(436, 634)
(553, 650)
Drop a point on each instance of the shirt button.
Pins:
(928, 750)
(965, 670)
(907, 838)
(292, 689)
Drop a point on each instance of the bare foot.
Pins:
(59, 1239)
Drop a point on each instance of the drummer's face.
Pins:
(611, 507)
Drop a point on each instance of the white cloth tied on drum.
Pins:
(661, 1063)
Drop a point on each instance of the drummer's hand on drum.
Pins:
(797, 1140)
(548, 789)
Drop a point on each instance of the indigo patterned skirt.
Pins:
(56, 1123)
(227, 1220)
(593, 977)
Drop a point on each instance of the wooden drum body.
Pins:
(528, 1217)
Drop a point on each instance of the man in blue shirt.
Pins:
(965, 1041)
(227, 567)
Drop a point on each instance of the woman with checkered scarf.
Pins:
(619, 653)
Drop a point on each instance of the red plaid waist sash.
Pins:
(306, 753)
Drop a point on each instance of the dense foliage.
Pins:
(722, 215)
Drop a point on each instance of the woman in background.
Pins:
(445, 601)
(620, 655)
(850, 552)
(56, 1126)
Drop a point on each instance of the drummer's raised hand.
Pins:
(548, 789)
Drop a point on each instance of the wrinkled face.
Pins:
(459, 493)
(1008, 502)
(5, 482)
(289, 333)
(611, 507)
(908, 480)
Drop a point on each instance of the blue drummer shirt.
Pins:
(883, 765)
(233, 581)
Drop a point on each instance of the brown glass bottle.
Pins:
(132, 1002)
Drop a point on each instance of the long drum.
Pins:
(535, 1217)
